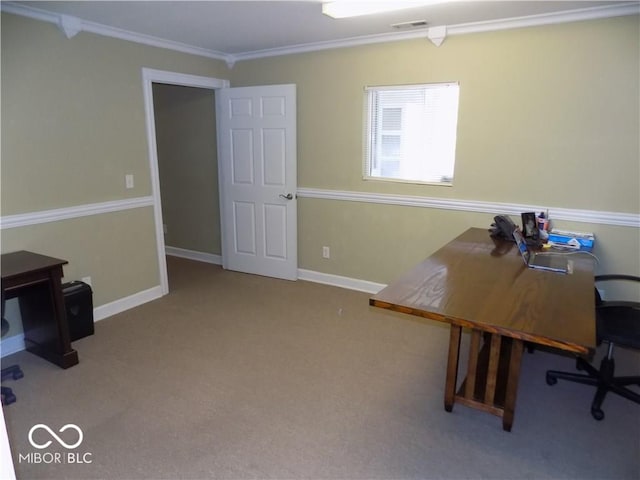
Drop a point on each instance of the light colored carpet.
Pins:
(243, 377)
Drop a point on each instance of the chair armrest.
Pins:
(619, 304)
(603, 278)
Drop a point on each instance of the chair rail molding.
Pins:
(57, 214)
(558, 213)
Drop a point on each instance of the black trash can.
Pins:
(78, 300)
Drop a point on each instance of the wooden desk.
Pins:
(39, 276)
(482, 284)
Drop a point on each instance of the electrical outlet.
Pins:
(165, 229)
(326, 252)
(128, 181)
(87, 280)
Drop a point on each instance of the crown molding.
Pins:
(580, 15)
(71, 26)
(331, 44)
(591, 13)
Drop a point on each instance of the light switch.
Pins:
(128, 180)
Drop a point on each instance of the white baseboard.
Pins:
(12, 344)
(193, 255)
(338, 281)
(15, 343)
(308, 275)
(126, 303)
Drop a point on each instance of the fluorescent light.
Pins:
(354, 8)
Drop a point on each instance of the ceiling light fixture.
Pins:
(355, 8)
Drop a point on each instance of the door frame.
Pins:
(149, 77)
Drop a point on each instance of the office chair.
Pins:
(13, 371)
(618, 323)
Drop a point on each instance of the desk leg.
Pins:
(452, 367)
(68, 356)
(46, 332)
(512, 384)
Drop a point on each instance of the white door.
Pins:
(258, 180)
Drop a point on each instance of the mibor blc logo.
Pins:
(70, 436)
(53, 434)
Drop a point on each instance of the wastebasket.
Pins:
(78, 301)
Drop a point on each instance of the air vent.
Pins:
(411, 24)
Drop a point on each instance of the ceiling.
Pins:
(239, 29)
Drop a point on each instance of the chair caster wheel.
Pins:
(8, 396)
(551, 380)
(597, 413)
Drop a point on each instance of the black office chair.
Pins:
(13, 371)
(618, 323)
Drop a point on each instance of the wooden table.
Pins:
(39, 278)
(482, 284)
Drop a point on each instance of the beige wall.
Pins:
(187, 159)
(73, 125)
(563, 97)
(112, 248)
(548, 116)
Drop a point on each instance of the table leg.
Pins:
(472, 368)
(492, 371)
(452, 367)
(512, 384)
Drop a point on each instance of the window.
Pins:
(410, 132)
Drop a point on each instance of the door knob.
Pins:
(288, 196)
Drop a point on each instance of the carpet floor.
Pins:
(236, 376)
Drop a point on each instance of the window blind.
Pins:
(410, 132)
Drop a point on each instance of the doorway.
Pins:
(257, 156)
(149, 78)
(187, 160)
